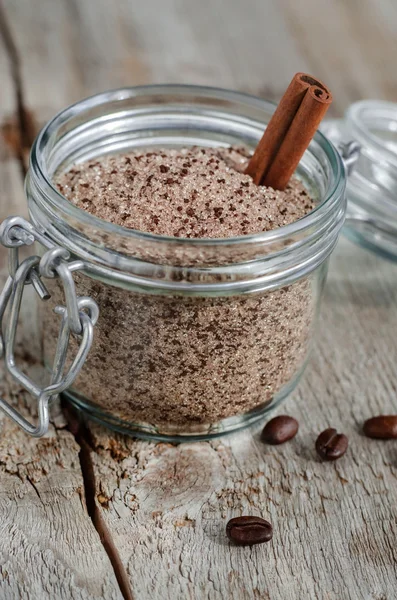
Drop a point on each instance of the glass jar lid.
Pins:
(372, 183)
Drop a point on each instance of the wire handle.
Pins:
(78, 316)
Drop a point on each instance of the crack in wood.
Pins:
(82, 437)
(87, 470)
(19, 132)
(34, 486)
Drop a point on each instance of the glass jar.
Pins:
(372, 186)
(195, 337)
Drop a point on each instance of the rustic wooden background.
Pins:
(93, 515)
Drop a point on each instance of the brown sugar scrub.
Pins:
(182, 362)
(187, 193)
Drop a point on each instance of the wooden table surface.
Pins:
(103, 516)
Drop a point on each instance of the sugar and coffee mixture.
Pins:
(178, 360)
(193, 192)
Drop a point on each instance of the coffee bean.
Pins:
(383, 427)
(279, 430)
(247, 531)
(331, 445)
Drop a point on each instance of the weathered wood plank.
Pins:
(171, 41)
(165, 506)
(348, 44)
(334, 524)
(49, 547)
(86, 47)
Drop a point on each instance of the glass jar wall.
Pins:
(195, 337)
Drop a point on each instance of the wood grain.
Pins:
(334, 524)
(49, 547)
(349, 44)
(166, 506)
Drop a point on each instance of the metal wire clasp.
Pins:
(78, 317)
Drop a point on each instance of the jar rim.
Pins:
(43, 180)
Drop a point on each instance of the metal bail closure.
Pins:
(78, 317)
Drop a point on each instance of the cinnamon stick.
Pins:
(289, 131)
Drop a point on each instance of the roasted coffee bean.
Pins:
(331, 445)
(279, 430)
(247, 531)
(383, 427)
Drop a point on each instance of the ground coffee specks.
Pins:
(179, 361)
(193, 192)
